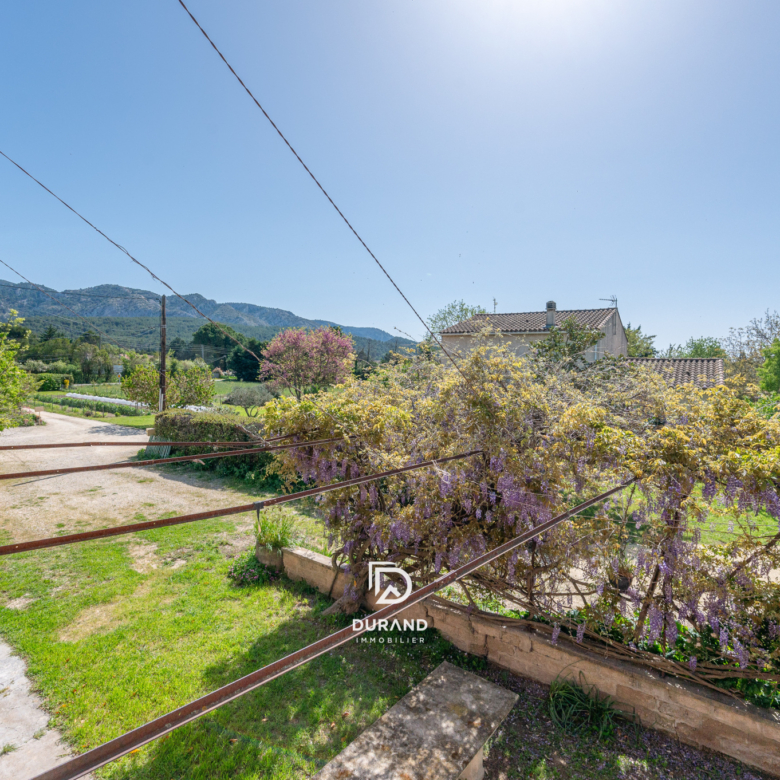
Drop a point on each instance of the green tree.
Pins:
(640, 344)
(566, 345)
(769, 372)
(94, 363)
(250, 398)
(192, 387)
(50, 333)
(211, 336)
(702, 347)
(16, 385)
(451, 314)
(179, 348)
(244, 365)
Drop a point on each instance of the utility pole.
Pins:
(162, 356)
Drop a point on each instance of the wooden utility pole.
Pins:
(162, 356)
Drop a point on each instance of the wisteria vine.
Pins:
(644, 571)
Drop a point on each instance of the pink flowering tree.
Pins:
(308, 360)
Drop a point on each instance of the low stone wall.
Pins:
(692, 713)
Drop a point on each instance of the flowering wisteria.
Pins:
(645, 571)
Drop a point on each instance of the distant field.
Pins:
(226, 386)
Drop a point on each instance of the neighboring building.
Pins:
(703, 372)
(524, 329)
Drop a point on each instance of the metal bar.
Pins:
(9, 447)
(119, 530)
(126, 464)
(110, 751)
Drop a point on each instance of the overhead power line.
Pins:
(321, 188)
(134, 259)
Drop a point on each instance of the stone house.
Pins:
(524, 329)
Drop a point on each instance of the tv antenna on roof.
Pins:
(612, 299)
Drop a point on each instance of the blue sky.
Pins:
(521, 151)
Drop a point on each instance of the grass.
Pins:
(722, 527)
(578, 708)
(110, 648)
(227, 386)
(275, 528)
(142, 421)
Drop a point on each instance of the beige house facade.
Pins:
(524, 329)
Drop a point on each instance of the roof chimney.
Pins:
(550, 314)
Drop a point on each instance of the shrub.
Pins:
(61, 367)
(249, 571)
(543, 437)
(186, 425)
(53, 381)
(578, 708)
(274, 528)
(35, 367)
(192, 387)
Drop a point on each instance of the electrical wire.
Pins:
(134, 259)
(322, 189)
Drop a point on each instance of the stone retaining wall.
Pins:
(692, 713)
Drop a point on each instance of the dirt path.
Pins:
(38, 507)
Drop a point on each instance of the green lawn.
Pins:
(226, 386)
(110, 648)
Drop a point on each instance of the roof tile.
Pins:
(528, 322)
(703, 372)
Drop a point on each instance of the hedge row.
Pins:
(185, 425)
(95, 406)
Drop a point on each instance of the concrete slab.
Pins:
(24, 724)
(436, 732)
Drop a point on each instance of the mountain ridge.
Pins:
(112, 300)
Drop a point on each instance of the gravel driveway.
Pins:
(41, 506)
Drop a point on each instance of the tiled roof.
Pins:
(529, 321)
(703, 372)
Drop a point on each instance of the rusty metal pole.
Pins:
(163, 388)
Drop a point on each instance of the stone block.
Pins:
(523, 640)
(436, 732)
(755, 751)
(314, 568)
(629, 698)
(487, 627)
